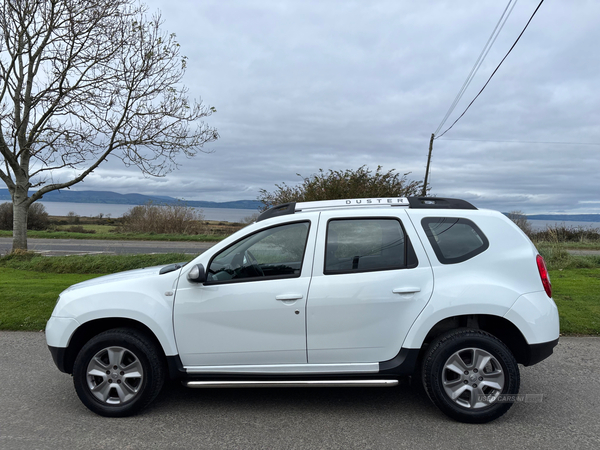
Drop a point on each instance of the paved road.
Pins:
(39, 409)
(54, 247)
(585, 252)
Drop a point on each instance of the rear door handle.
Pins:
(288, 297)
(407, 290)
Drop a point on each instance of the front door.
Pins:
(251, 310)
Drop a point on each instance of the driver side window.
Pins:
(272, 253)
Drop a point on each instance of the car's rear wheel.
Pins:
(118, 372)
(470, 375)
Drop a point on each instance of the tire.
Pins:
(470, 376)
(118, 372)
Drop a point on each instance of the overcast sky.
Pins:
(305, 85)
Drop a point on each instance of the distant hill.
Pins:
(113, 198)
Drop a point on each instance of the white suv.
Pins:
(357, 292)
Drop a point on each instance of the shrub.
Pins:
(557, 257)
(72, 217)
(79, 229)
(37, 217)
(163, 219)
(250, 219)
(337, 184)
(564, 233)
(6, 216)
(520, 219)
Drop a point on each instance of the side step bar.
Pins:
(291, 383)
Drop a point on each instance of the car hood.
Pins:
(135, 274)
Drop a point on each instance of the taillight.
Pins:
(544, 275)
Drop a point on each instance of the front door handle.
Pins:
(288, 297)
(407, 290)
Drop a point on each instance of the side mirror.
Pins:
(197, 274)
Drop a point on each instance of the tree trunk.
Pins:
(20, 210)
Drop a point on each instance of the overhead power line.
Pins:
(500, 24)
(484, 52)
(495, 70)
(524, 142)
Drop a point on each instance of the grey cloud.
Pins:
(300, 86)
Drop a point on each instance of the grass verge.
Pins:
(30, 284)
(557, 257)
(88, 264)
(577, 296)
(581, 245)
(27, 298)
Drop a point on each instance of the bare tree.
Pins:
(84, 79)
(520, 219)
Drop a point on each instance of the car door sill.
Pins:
(290, 383)
(287, 369)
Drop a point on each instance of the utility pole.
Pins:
(424, 193)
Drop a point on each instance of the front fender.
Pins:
(60, 330)
(147, 300)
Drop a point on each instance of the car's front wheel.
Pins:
(470, 375)
(118, 372)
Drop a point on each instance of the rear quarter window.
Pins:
(454, 240)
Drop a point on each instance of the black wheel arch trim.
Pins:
(59, 357)
(539, 352)
(404, 363)
(175, 366)
(64, 357)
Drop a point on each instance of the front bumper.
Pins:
(59, 331)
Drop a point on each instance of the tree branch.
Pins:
(81, 80)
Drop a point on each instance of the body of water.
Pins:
(113, 210)
(224, 214)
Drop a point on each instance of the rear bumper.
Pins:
(536, 317)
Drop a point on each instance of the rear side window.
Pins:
(365, 245)
(454, 240)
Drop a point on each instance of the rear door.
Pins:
(371, 279)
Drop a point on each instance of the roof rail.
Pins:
(439, 203)
(412, 202)
(347, 203)
(293, 207)
(279, 210)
